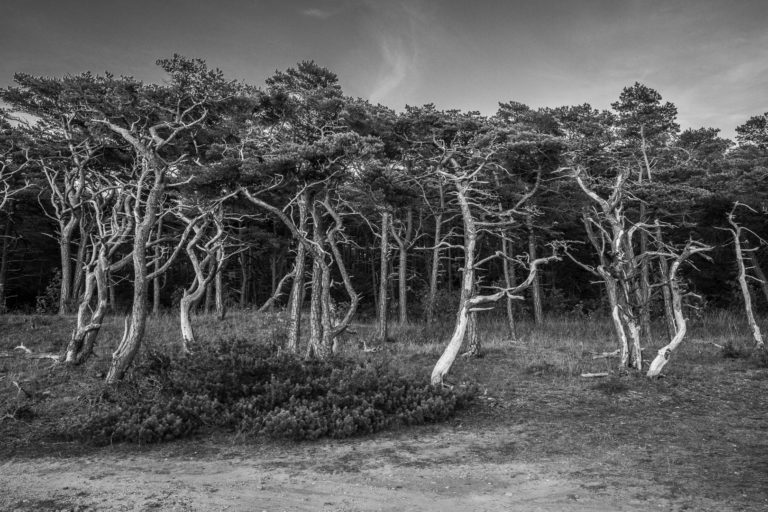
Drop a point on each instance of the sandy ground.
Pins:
(427, 469)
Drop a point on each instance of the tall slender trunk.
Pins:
(759, 274)
(434, 274)
(83, 339)
(79, 275)
(218, 282)
(446, 360)
(156, 280)
(126, 350)
(244, 275)
(297, 289)
(538, 313)
(756, 334)
(381, 317)
(509, 282)
(645, 281)
(403, 244)
(666, 288)
(4, 253)
(66, 230)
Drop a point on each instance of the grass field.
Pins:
(699, 435)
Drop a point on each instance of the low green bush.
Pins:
(237, 385)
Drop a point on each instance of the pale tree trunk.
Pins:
(434, 273)
(538, 313)
(297, 289)
(315, 348)
(382, 323)
(509, 281)
(469, 303)
(156, 280)
(221, 306)
(446, 360)
(645, 281)
(83, 338)
(126, 350)
(736, 232)
(403, 244)
(664, 353)
(296, 300)
(666, 290)
(759, 274)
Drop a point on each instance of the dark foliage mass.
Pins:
(240, 386)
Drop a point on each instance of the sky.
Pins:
(708, 57)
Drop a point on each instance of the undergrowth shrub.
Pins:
(238, 385)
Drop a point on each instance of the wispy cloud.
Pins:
(394, 29)
(317, 13)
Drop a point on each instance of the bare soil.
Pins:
(423, 469)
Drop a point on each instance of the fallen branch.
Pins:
(595, 375)
(28, 354)
(606, 355)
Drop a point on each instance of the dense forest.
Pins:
(203, 194)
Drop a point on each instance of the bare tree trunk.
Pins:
(382, 323)
(666, 287)
(759, 274)
(4, 263)
(736, 232)
(664, 353)
(296, 299)
(538, 313)
(65, 252)
(297, 289)
(83, 339)
(509, 282)
(126, 350)
(111, 289)
(244, 276)
(403, 244)
(434, 274)
(645, 282)
(156, 280)
(82, 247)
(221, 306)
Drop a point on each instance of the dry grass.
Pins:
(701, 430)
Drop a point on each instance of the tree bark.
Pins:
(83, 340)
(759, 274)
(4, 257)
(297, 289)
(434, 274)
(403, 244)
(382, 323)
(156, 280)
(666, 288)
(66, 230)
(742, 277)
(538, 312)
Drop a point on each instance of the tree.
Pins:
(157, 124)
(754, 132)
(470, 150)
(646, 126)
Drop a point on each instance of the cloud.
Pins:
(394, 32)
(316, 13)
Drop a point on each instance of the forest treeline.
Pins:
(204, 193)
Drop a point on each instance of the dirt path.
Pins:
(418, 470)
